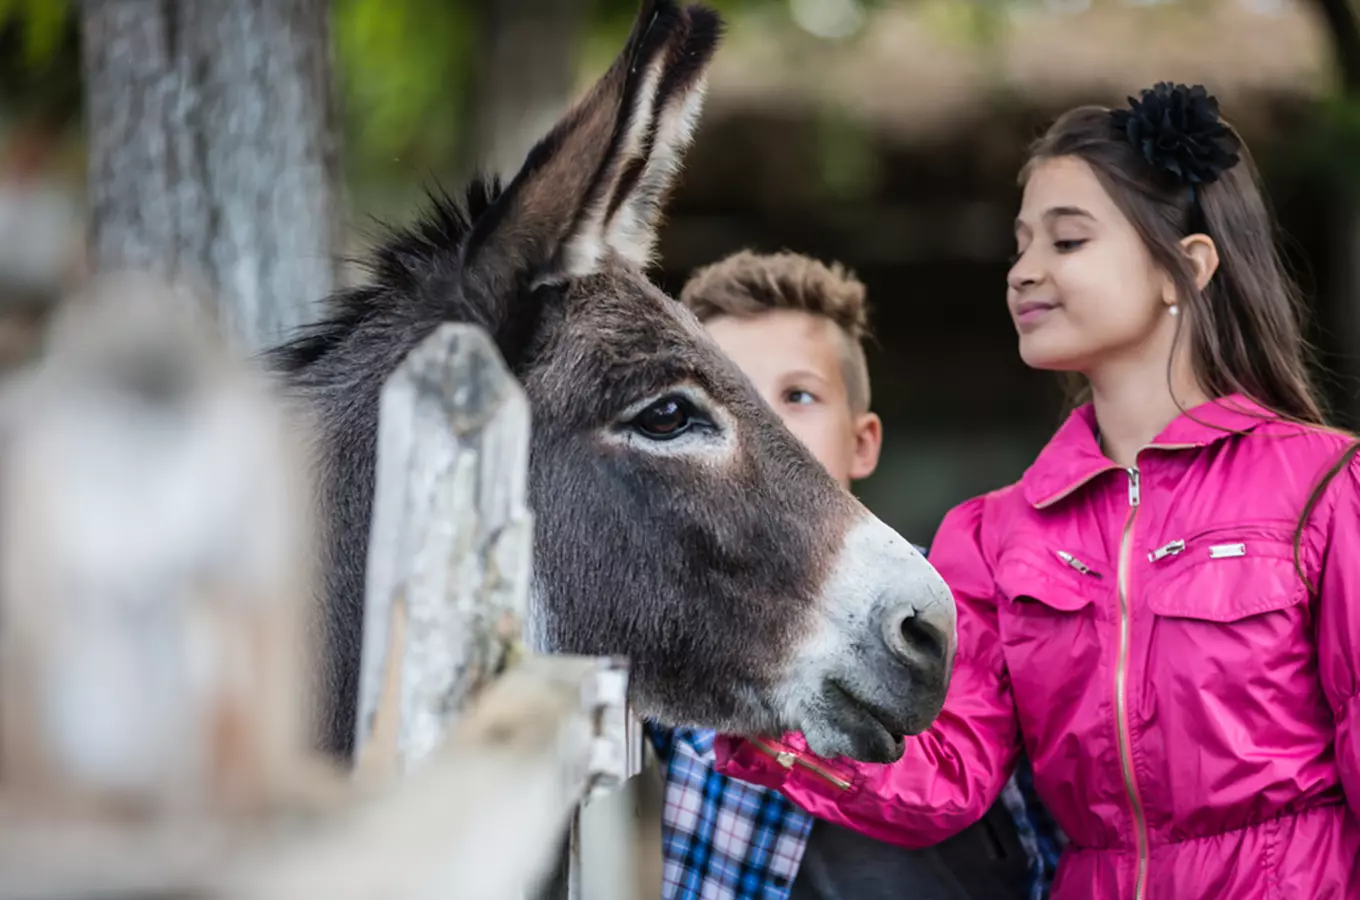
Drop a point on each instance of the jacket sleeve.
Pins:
(1338, 625)
(951, 774)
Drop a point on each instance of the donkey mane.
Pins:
(407, 258)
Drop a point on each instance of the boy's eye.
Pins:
(800, 396)
(1068, 246)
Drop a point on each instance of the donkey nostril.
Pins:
(922, 637)
(914, 637)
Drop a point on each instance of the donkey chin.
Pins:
(875, 664)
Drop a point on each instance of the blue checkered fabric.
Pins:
(724, 839)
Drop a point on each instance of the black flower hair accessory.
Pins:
(1177, 130)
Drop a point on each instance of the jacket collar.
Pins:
(1073, 457)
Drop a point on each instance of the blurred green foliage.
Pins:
(40, 24)
(39, 61)
(403, 69)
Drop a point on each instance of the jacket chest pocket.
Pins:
(1226, 663)
(1229, 606)
(1047, 614)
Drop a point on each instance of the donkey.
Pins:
(678, 523)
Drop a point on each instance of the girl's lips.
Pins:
(1029, 312)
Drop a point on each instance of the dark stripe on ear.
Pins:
(667, 19)
(685, 64)
(694, 54)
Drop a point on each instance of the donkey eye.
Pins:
(665, 419)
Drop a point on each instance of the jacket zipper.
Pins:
(1077, 564)
(788, 759)
(1121, 691)
(1166, 550)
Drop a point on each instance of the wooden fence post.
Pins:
(449, 563)
(450, 547)
(615, 850)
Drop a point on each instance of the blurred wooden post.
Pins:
(153, 539)
(525, 74)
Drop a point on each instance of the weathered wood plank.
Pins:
(482, 814)
(617, 839)
(480, 817)
(615, 850)
(450, 547)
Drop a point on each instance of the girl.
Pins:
(1165, 609)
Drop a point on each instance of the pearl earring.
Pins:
(1175, 310)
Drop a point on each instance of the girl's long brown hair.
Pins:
(1245, 328)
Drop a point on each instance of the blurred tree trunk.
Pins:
(214, 152)
(1343, 31)
(525, 70)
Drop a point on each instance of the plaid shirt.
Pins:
(724, 839)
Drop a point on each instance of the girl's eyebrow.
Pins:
(1059, 212)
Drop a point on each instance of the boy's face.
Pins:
(795, 360)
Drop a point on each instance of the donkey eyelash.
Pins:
(668, 418)
(679, 422)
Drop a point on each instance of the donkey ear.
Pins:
(633, 215)
(595, 183)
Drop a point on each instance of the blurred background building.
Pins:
(883, 133)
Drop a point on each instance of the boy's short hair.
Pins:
(747, 284)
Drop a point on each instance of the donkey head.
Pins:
(678, 522)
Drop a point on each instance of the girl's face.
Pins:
(1084, 292)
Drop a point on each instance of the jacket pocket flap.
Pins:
(1228, 582)
(1023, 580)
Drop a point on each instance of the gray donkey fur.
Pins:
(677, 521)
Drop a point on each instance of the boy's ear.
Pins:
(868, 444)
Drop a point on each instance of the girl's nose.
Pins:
(1024, 274)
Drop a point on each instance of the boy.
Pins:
(796, 328)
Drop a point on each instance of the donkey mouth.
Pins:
(860, 730)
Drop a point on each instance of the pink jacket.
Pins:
(1189, 707)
